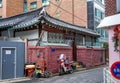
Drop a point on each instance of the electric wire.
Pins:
(67, 11)
(57, 7)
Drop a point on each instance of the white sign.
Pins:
(8, 52)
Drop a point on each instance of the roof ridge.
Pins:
(24, 13)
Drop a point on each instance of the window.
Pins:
(55, 37)
(25, 6)
(0, 17)
(97, 13)
(102, 15)
(57, 15)
(118, 5)
(102, 33)
(106, 34)
(100, 1)
(33, 5)
(88, 41)
(98, 30)
(57, 0)
(79, 40)
(45, 2)
(0, 3)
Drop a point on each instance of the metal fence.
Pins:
(108, 77)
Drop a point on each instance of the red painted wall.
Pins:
(91, 56)
(50, 56)
(110, 7)
(88, 56)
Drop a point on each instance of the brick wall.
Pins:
(65, 14)
(90, 57)
(3, 9)
(14, 7)
(110, 6)
(50, 56)
(80, 11)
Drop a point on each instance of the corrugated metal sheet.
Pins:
(20, 56)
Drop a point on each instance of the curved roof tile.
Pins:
(29, 18)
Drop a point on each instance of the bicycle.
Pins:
(38, 73)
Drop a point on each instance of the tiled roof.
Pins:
(20, 20)
(30, 18)
(64, 25)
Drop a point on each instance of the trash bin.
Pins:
(29, 70)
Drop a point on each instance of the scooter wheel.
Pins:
(71, 70)
(61, 71)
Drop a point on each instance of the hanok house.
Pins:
(49, 37)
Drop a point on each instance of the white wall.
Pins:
(44, 36)
(113, 56)
(99, 7)
(5, 33)
(31, 34)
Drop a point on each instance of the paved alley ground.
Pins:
(87, 76)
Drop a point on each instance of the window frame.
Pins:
(45, 3)
(1, 4)
(25, 9)
(33, 3)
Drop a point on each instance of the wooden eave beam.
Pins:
(52, 29)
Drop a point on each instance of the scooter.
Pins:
(65, 67)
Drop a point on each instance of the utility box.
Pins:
(12, 59)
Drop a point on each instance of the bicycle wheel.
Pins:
(33, 76)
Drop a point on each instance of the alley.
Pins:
(87, 76)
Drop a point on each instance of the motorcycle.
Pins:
(65, 67)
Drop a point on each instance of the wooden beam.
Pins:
(14, 33)
(26, 29)
(39, 30)
(52, 29)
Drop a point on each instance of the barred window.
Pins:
(55, 37)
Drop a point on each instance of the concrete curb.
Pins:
(15, 80)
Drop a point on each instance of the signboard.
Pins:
(115, 70)
(53, 50)
(8, 52)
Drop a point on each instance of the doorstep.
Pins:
(14, 80)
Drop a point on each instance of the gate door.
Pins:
(8, 63)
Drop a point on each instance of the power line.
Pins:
(57, 7)
(67, 11)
